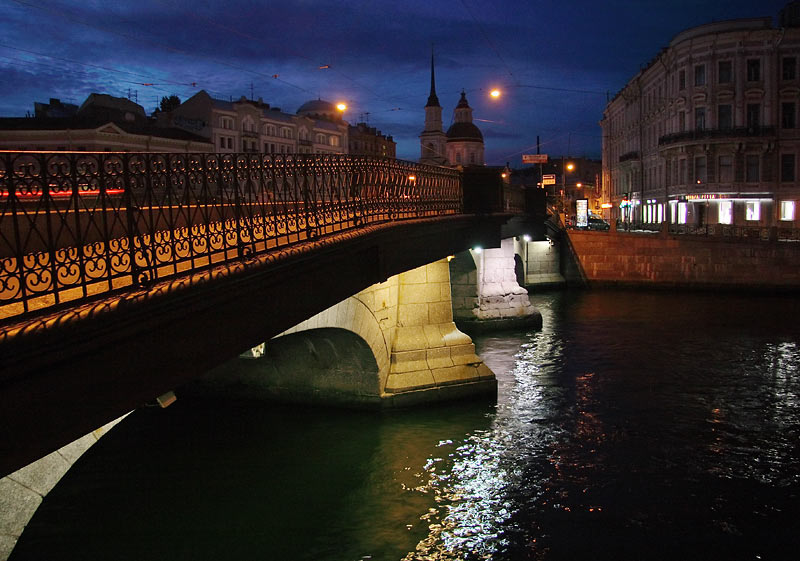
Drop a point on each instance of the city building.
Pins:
(369, 141)
(103, 123)
(461, 145)
(253, 126)
(707, 132)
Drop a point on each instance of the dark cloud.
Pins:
(554, 60)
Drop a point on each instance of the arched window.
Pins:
(334, 140)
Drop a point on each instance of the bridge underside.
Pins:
(65, 375)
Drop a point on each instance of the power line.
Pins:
(488, 41)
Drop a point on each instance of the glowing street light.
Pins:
(570, 166)
(341, 106)
(495, 93)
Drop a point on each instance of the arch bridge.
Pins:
(123, 275)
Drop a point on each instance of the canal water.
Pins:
(633, 426)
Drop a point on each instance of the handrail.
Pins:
(73, 225)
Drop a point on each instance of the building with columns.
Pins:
(707, 132)
(462, 144)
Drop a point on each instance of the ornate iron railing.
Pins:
(73, 225)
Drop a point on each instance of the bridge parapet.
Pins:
(73, 225)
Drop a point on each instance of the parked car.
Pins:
(597, 223)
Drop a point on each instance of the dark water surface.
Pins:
(633, 426)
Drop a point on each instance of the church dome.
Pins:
(319, 108)
(464, 131)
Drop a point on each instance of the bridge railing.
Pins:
(73, 225)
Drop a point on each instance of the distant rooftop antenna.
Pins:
(364, 117)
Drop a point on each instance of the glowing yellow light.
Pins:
(412, 177)
(450, 258)
(341, 106)
(495, 93)
(579, 185)
(503, 175)
(570, 166)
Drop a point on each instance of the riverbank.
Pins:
(671, 261)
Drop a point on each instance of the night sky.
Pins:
(556, 61)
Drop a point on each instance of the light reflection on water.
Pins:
(632, 426)
(619, 430)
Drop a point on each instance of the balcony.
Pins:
(709, 134)
(629, 156)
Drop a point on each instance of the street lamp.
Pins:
(495, 93)
(341, 106)
(566, 167)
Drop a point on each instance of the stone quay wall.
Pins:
(660, 260)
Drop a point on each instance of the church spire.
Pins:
(433, 101)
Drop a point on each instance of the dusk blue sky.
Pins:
(556, 61)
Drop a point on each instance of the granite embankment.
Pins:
(664, 261)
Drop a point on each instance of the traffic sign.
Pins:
(534, 158)
(549, 179)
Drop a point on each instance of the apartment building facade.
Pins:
(708, 132)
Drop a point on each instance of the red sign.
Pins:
(534, 158)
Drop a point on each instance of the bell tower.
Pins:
(433, 141)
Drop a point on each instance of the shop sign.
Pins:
(706, 197)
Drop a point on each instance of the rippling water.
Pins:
(633, 426)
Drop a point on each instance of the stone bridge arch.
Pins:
(407, 324)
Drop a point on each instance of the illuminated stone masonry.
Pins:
(486, 293)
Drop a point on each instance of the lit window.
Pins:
(787, 210)
(725, 212)
(753, 210)
(682, 212)
(660, 213)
